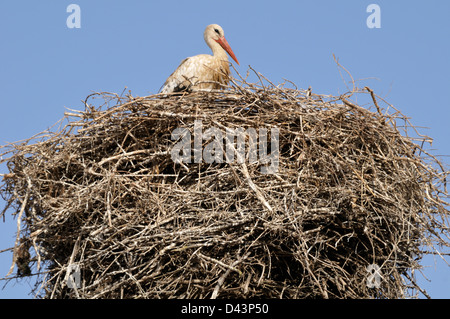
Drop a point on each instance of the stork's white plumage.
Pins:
(204, 71)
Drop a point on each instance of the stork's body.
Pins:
(203, 72)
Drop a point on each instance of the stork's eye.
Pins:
(217, 31)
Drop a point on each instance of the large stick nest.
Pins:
(101, 194)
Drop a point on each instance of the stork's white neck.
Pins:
(217, 49)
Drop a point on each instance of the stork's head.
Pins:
(215, 32)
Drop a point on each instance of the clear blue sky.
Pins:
(45, 66)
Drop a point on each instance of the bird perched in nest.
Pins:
(203, 71)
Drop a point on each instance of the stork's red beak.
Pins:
(224, 44)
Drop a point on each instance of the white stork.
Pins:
(211, 70)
